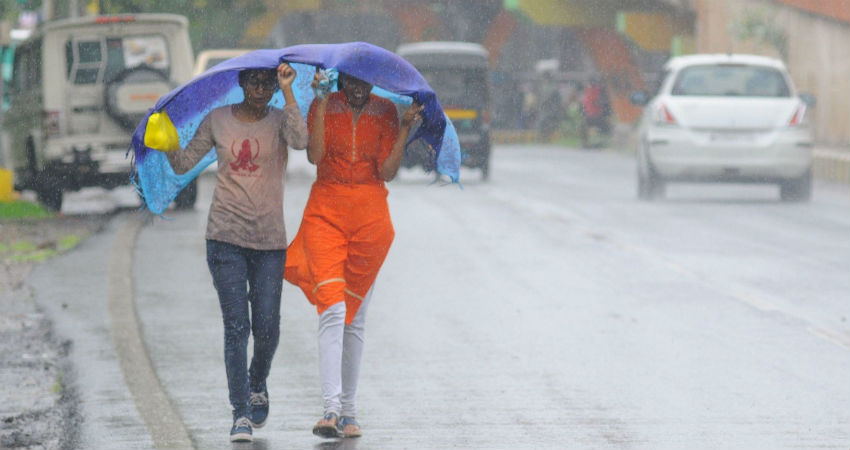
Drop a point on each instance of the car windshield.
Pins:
(727, 80)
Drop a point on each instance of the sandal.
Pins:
(348, 427)
(327, 427)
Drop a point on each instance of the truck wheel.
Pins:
(50, 197)
(46, 192)
(186, 198)
(32, 166)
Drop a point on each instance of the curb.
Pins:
(161, 417)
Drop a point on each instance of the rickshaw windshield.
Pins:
(458, 87)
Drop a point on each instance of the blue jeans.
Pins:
(249, 284)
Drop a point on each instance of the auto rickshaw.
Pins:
(458, 73)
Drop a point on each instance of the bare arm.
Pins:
(285, 78)
(316, 144)
(390, 167)
(294, 128)
(183, 160)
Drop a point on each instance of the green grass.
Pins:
(68, 242)
(25, 250)
(35, 256)
(20, 209)
(22, 247)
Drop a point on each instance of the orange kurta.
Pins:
(346, 230)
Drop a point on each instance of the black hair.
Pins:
(244, 75)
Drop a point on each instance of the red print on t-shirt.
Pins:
(245, 157)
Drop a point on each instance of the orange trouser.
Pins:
(344, 237)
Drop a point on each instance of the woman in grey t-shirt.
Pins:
(246, 237)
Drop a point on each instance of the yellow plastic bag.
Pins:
(160, 133)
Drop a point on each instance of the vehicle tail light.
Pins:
(663, 115)
(798, 117)
(52, 123)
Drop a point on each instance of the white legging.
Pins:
(340, 348)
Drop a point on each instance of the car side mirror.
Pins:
(808, 99)
(639, 98)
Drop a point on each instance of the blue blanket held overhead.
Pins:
(172, 122)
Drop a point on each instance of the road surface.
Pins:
(546, 308)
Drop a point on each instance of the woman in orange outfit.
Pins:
(357, 144)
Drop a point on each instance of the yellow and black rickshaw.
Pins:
(458, 73)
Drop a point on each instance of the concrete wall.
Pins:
(818, 55)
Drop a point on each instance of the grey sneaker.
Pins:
(259, 404)
(241, 431)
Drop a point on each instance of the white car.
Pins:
(725, 118)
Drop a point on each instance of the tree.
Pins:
(212, 23)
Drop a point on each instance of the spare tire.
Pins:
(132, 92)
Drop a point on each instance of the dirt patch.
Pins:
(39, 408)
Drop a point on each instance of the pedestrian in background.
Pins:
(596, 110)
(357, 144)
(551, 107)
(246, 237)
(528, 114)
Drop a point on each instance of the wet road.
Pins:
(547, 308)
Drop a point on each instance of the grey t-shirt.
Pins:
(247, 205)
